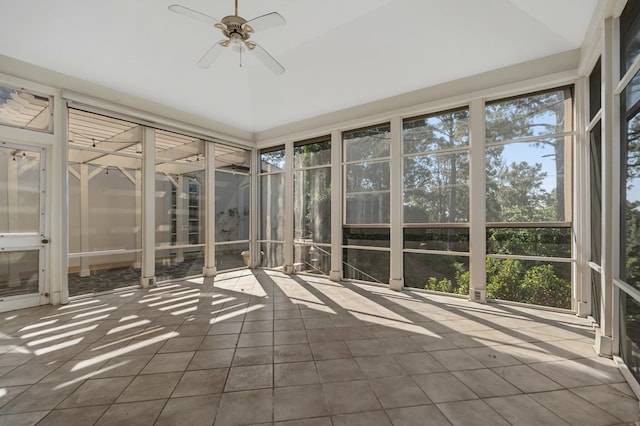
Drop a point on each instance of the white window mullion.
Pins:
(477, 201)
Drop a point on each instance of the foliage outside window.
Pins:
(436, 194)
(312, 206)
(528, 163)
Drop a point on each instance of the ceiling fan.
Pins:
(237, 31)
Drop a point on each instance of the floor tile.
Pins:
(471, 413)
(317, 421)
(443, 387)
(573, 409)
(295, 373)
(168, 362)
(338, 370)
(249, 377)
(416, 416)
(288, 324)
(485, 383)
(491, 357)
(329, 350)
(73, 416)
(182, 344)
(613, 401)
(123, 366)
(22, 419)
(290, 337)
(380, 366)
(219, 341)
(150, 386)
(527, 379)
(41, 396)
(299, 402)
(370, 418)
(349, 397)
(97, 392)
(523, 410)
(253, 356)
(244, 408)
(193, 411)
(28, 374)
(292, 353)
(10, 392)
(215, 358)
(456, 359)
(395, 392)
(419, 363)
(141, 413)
(255, 339)
(201, 382)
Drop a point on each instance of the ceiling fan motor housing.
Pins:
(234, 27)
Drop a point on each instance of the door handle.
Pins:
(45, 241)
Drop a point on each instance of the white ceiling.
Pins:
(337, 53)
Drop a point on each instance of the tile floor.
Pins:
(259, 347)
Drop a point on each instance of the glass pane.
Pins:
(272, 207)
(629, 35)
(232, 159)
(232, 256)
(524, 281)
(19, 191)
(92, 274)
(549, 242)
(443, 239)
(596, 295)
(312, 259)
(630, 333)
(630, 259)
(449, 274)
(632, 92)
(526, 181)
(372, 237)
(431, 133)
(595, 90)
(312, 205)
(233, 199)
(367, 177)
(539, 114)
(366, 265)
(271, 255)
(367, 144)
(19, 272)
(595, 184)
(174, 264)
(24, 110)
(367, 208)
(105, 201)
(312, 154)
(272, 160)
(436, 188)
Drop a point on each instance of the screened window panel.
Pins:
(271, 255)
(366, 265)
(231, 256)
(436, 132)
(526, 181)
(24, 110)
(312, 154)
(312, 259)
(367, 144)
(232, 159)
(595, 186)
(373, 237)
(367, 177)
(595, 90)
(272, 207)
(547, 242)
(272, 160)
(449, 274)
(367, 208)
(173, 264)
(441, 239)
(539, 114)
(630, 333)
(19, 178)
(630, 235)
(312, 205)
(232, 206)
(629, 35)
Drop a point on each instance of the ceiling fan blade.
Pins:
(268, 60)
(265, 22)
(193, 14)
(211, 55)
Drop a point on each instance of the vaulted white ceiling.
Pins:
(337, 53)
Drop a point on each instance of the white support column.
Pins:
(288, 208)
(616, 184)
(139, 221)
(209, 269)
(13, 208)
(255, 212)
(57, 225)
(582, 202)
(336, 206)
(85, 267)
(396, 280)
(603, 342)
(148, 208)
(477, 203)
